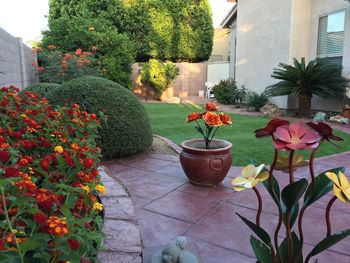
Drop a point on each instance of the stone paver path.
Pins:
(167, 205)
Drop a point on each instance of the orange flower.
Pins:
(193, 116)
(212, 119)
(225, 119)
(57, 226)
(52, 47)
(211, 106)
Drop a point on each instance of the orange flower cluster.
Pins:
(57, 226)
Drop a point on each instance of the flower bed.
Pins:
(49, 181)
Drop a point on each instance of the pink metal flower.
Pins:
(295, 137)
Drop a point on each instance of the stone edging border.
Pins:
(122, 241)
(176, 148)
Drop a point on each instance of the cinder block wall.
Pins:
(15, 62)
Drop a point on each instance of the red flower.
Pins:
(74, 244)
(225, 119)
(325, 131)
(295, 137)
(28, 144)
(52, 47)
(211, 106)
(78, 51)
(193, 116)
(93, 116)
(40, 218)
(88, 163)
(2, 244)
(44, 164)
(212, 119)
(4, 156)
(270, 128)
(23, 162)
(11, 172)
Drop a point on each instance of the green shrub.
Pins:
(43, 89)
(57, 67)
(114, 51)
(176, 30)
(227, 92)
(256, 100)
(159, 75)
(127, 130)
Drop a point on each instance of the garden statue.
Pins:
(174, 252)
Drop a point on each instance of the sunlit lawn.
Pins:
(168, 120)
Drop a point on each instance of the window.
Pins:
(331, 37)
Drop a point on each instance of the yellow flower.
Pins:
(100, 188)
(91, 28)
(86, 188)
(59, 149)
(341, 186)
(250, 177)
(283, 162)
(98, 206)
(23, 116)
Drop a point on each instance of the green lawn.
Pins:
(169, 120)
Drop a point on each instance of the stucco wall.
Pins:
(263, 40)
(191, 79)
(221, 44)
(16, 62)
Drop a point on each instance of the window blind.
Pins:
(331, 35)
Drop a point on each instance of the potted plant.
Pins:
(206, 161)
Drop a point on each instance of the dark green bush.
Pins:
(127, 130)
(160, 75)
(256, 100)
(227, 92)
(43, 89)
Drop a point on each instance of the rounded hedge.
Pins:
(43, 89)
(127, 130)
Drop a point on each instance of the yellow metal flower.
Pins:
(341, 186)
(250, 177)
(98, 206)
(59, 149)
(283, 162)
(100, 188)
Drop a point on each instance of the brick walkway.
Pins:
(167, 205)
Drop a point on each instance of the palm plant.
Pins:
(319, 78)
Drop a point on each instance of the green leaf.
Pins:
(294, 215)
(296, 249)
(274, 191)
(322, 187)
(261, 233)
(9, 257)
(292, 193)
(30, 244)
(262, 252)
(328, 242)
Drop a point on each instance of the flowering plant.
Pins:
(213, 120)
(290, 137)
(58, 67)
(49, 210)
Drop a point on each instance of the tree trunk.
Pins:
(304, 105)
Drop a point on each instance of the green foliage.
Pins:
(127, 130)
(227, 92)
(42, 89)
(318, 77)
(160, 75)
(256, 100)
(177, 30)
(58, 67)
(113, 50)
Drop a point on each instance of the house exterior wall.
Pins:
(263, 41)
(15, 62)
(283, 30)
(221, 45)
(320, 8)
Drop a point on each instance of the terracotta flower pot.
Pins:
(206, 167)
